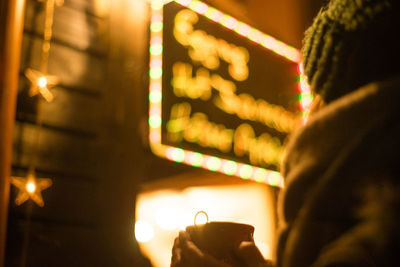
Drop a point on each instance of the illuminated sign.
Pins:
(223, 95)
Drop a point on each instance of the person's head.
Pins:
(352, 43)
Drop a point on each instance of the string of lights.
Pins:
(30, 187)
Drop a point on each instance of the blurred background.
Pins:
(93, 140)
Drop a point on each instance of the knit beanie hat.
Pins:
(352, 43)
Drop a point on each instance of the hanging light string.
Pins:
(44, 79)
(47, 34)
(30, 187)
(41, 82)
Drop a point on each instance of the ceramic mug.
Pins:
(220, 239)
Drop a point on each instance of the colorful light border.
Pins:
(196, 159)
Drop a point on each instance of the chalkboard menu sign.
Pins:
(223, 95)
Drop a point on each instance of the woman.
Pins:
(341, 203)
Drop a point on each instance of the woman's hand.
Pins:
(186, 254)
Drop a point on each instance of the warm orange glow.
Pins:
(143, 231)
(30, 187)
(40, 84)
(161, 213)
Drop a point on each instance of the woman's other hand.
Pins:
(186, 254)
(249, 254)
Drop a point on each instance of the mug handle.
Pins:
(197, 214)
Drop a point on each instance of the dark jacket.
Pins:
(341, 202)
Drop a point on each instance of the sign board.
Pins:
(223, 95)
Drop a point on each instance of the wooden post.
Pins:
(11, 26)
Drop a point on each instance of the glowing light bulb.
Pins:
(155, 111)
(42, 82)
(156, 18)
(214, 14)
(304, 86)
(230, 168)
(155, 73)
(31, 187)
(260, 175)
(156, 49)
(156, 40)
(184, 2)
(178, 155)
(245, 171)
(155, 121)
(157, 4)
(269, 42)
(243, 29)
(156, 26)
(229, 22)
(305, 100)
(213, 163)
(193, 158)
(156, 63)
(275, 179)
(155, 96)
(144, 232)
(300, 68)
(200, 7)
(155, 86)
(293, 54)
(155, 137)
(256, 36)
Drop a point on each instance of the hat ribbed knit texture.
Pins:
(352, 43)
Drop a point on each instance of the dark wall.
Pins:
(92, 141)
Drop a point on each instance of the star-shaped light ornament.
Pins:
(41, 83)
(30, 187)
